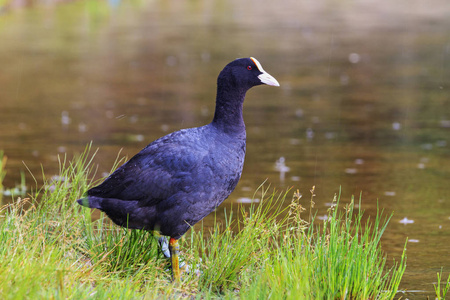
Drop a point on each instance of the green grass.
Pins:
(441, 292)
(52, 248)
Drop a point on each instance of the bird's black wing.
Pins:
(161, 169)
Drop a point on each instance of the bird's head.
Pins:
(244, 73)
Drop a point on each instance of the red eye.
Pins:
(249, 68)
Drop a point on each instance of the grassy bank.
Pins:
(52, 249)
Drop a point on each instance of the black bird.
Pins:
(178, 179)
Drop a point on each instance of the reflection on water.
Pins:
(363, 102)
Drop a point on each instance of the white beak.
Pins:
(265, 77)
(268, 79)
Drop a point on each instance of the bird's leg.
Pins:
(170, 249)
(174, 251)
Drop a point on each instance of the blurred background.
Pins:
(364, 103)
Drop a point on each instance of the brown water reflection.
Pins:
(363, 103)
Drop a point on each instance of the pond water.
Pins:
(363, 105)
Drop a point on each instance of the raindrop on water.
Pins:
(281, 167)
(295, 178)
(65, 120)
(82, 127)
(322, 218)
(354, 58)
(351, 171)
(359, 161)
(396, 126)
(309, 134)
(61, 149)
(445, 123)
(405, 221)
(138, 137)
(247, 200)
(133, 119)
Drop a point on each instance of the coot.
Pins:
(178, 179)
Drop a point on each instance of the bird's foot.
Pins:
(184, 268)
(164, 244)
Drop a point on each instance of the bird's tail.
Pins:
(84, 201)
(91, 202)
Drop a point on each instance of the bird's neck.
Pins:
(229, 104)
